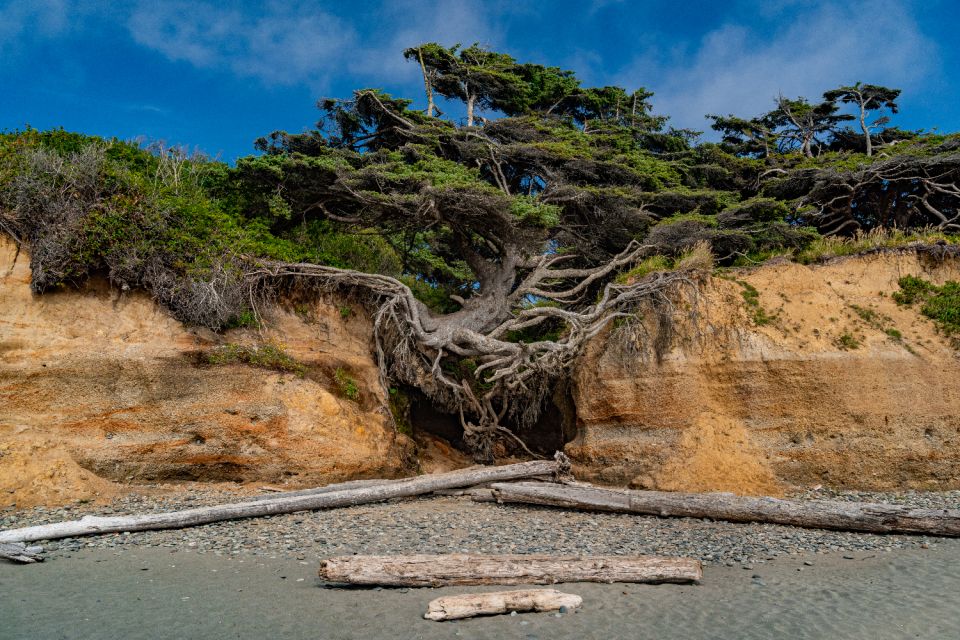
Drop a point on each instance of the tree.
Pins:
(756, 136)
(521, 225)
(481, 78)
(867, 98)
(801, 123)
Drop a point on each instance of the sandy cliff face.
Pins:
(822, 394)
(98, 387)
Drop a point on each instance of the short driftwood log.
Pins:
(814, 514)
(20, 553)
(466, 569)
(468, 605)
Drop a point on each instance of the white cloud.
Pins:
(285, 44)
(804, 50)
(297, 43)
(409, 22)
(22, 22)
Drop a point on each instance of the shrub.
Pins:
(846, 341)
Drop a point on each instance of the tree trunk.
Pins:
(866, 131)
(820, 514)
(427, 85)
(470, 100)
(468, 605)
(278, 503)
(465, 569)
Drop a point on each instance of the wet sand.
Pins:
(155, 593)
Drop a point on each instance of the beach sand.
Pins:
(156, 593)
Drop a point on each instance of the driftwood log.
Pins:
(467, 569)
(279, 503)
(468, 605)
(814, 514)
(21, 553)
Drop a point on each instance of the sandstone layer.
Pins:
(99, 387)
(826, 381)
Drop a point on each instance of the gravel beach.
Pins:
(457, 524)
(257, 578)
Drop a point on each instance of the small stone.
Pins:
(808, 563)
(513, 613)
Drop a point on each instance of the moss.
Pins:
(399, 403)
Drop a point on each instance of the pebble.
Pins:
(447, 524)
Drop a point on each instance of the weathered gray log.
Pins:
(814, 514)
(467, 569)
(276, 504)
(468, 605)
(330, 488)
(21, 553)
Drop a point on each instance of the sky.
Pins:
(216, 75)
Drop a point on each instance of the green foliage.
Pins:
(533, 211)
(847, 342)
(939, 303)
(752, 297)
(346, 385)
(266, 356)
(913, 289)
(246, 319)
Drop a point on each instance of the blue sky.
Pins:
(215, 75)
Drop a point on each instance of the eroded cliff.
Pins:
(815, 376)
(759, 381)
(99, 387)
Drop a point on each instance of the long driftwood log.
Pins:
(467, 569)
(814, 514)
(21, 553)
(278, 503)
(468, 605)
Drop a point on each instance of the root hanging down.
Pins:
(509, 380)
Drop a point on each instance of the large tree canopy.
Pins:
(487, 253)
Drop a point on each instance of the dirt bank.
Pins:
(823, 380)
(99, 387)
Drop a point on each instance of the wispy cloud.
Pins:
(285, 44)
(408, 22)
(22, 23)
(797, 49)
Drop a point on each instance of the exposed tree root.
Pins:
(511, 379)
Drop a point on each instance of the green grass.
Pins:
(267, 356)
(646, 267)
(346, 384)
(824, 247)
